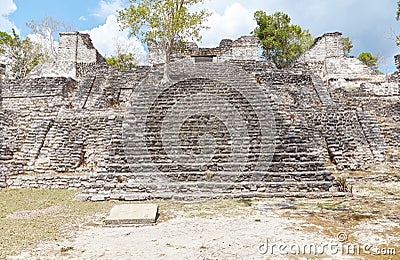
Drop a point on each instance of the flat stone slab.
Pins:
(131, 214)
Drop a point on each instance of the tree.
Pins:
(397, 18)
(347, 45)
(168, 23)
(281, 41)
(398, 11)
(368, 59)
(123, 61)
(45, 32)
(19, 55)
(123, 57)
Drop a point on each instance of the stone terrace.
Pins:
(228, 125)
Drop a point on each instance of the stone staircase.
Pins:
(373, 135)
(33, 143)
(81, 96)
(201, 137)
(345, 140)
(321, 90)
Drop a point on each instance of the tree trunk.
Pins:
(166, 79)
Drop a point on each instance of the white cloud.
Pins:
(47, 46)
(106, 36)
(233, 23)
(367, 23)
(7, 8)
(107, 8)
(82, 18)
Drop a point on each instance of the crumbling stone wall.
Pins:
(70, 143)
(377, 108)
(76, 51)
(327, 109)
(244, 48)
(327, 46)
(77, 48)
(326, 59)
(2, 70)
(2, 121)
(397, 61)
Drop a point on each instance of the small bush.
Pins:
(343, 185)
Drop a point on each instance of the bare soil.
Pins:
(364, 226)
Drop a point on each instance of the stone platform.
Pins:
(132, 214)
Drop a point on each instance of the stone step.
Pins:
(222, 139)
(132, 196)
(211, 176)
(277, 156)
(373, 135)
(241, 167)
(214, 187)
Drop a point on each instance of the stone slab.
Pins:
(131, 214)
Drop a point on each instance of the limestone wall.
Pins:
(347, 67)
(2, 123)
(244, 48)
(327, 46)
(326, 59)
(74, 48)
(397, 61)
(37, 87)
(2, 70)
(54, 69)
(70, 143)
(192, 186)
(124, 134)
(61, 125)
(77, 47)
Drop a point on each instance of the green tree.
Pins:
(46, 32)
(19, 55)
(167, 23)
(368, 59)
(123, 61)
(123, 57)
(398, 11)
(347, 45)
(281, 41)
(397, 18)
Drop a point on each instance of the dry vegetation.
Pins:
(30, 216)
(371, 215)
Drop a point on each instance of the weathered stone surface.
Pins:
(128, 214)
(244, 48)
(226, 127)
(75, 50)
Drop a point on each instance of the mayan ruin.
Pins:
(228, 125)
(199, 129)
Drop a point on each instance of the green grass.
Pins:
(30, 216)
(216, 208)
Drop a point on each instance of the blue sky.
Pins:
(68, 11)
(369, 23)
(83, 15)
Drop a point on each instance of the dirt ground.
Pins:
(364, 226)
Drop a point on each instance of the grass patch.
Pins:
(206, 209)
(348, 215)
(30, 216)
